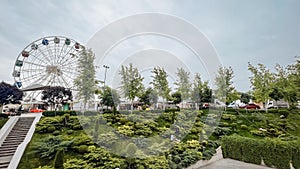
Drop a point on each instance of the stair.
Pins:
(14, 139)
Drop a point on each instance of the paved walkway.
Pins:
(232, 164)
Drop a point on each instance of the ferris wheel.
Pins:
(49, 61)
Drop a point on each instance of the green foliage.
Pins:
(149, 97)
(109, 97)
(3, 116)
(59, 159)
(273, 151)
(261, 81)
(85, 81)
(49, 124)
(131, 82)
(229, 117)
(70, 132)
(183, 84)
(225, 90)
(200, 91)
(59, 113)
(47, 147)
(45, 167)
(75, 163)
(56, 95)
(56, 133)
(160, 82)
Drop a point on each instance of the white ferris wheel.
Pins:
(48, 61)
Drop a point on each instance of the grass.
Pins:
(2, 122)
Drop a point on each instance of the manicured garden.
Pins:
(63, 132)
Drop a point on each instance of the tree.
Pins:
(9, 94)
(183, 83)
(283, 84)
(149, 97)
(56, 95)
(245, 97)
(261, 81)
(131, 83)
(109, 97)
(160, 83)
(294, 78)
(59, 159)
(225, 90)
(85, 81)
(200, 91)
(176, 97)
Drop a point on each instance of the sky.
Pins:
(241, 31)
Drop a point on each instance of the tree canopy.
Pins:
(56, 95)
(85, 81)
(131, 82)
(9, 94)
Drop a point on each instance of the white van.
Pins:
(277, 104)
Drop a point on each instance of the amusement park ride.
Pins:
(48, 61)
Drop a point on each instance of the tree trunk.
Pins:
(131, 107)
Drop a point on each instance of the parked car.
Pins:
(250, 106)
(205, 105)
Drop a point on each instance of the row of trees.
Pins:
(284, 83)
(132, 86)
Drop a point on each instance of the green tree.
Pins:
(225, 90)
(261, 81)
(183, 83)
(131, 83)
(176, 97)
(85, 81)
(149, 97)
(109, 97)
(284, 85)
(160, 83)
(245, 97)
(294, 78)
(59, 159)
(56, 95)
(201, 92)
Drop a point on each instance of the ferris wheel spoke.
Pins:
(30, 70)
(42, 80)
(45, 56)
(71, 62)
(49, 50)
(62, 54)
(70, 51)
(64, 81)
(34, 55)
(33, 76)
(34, 64)
(31, 81)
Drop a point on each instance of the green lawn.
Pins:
(2, 122)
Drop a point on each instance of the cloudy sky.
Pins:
(241, 31)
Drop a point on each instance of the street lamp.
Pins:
(106, 67)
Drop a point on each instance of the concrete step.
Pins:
(7, 154)
(4, 165)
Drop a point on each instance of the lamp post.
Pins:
(106, 67)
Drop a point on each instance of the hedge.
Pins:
(274, 152)
(2, 115)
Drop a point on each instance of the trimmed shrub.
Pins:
(69, 132)
(274, 152)
(51, 129)
(56, 133)
(59, 159)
